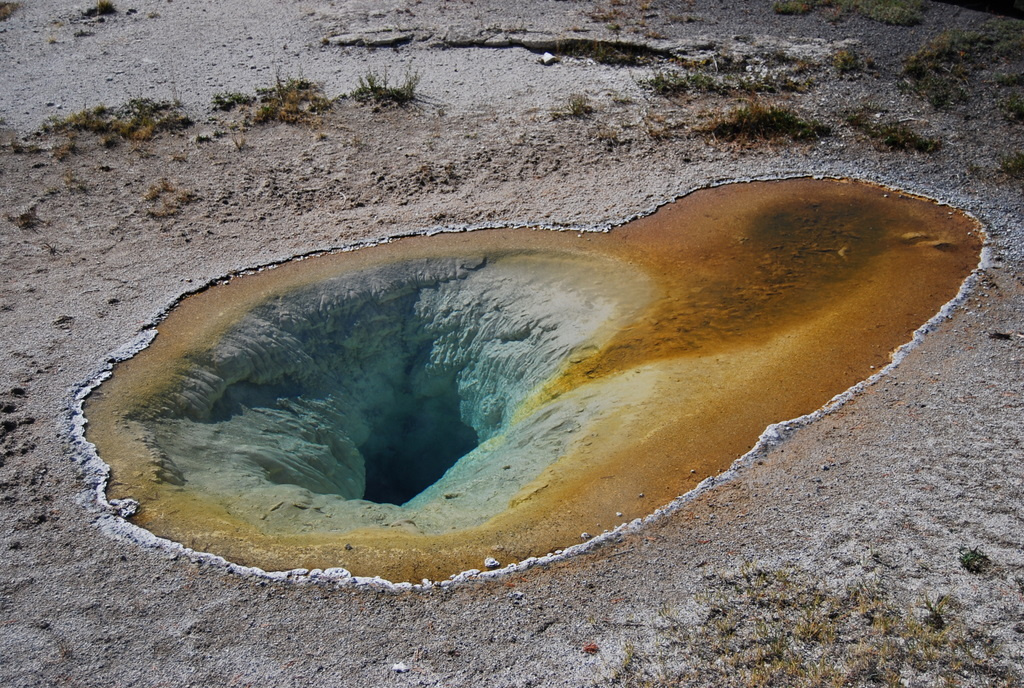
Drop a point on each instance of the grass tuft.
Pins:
(170, 196)
(1013, 165)
(793, 7)
(1013, 107)
(974, 560)
(757, 121)
(377, 88)
(846, 61)
(7, 9)
(229, 101)
(577, 105)
(295, 101)
(26, 220)
(102, 8)
(893, 135)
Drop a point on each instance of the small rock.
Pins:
(548, 59)
(400, 668)
(585, 536)
(491, 563)
(125, 507)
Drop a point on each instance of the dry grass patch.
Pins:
(137, 120)
(782, 627)
(7, 9)
(168, 198)
(295, 101)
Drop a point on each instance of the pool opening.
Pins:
(412, 444)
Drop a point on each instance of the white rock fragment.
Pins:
(585, 536)
(491, 563)
(400, 668)
(548, 59)
(125, 507)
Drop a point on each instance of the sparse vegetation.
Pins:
(25, 220)
(1013, 165)
(137, 120)
(609, 52)
(170, 196)
(974, 560)
(846, 61)
(1013, 107)
(893, 135)
(897, 12)
(576, 105)
(7, 9)
(295, 101)
(941, 68)
(757, 121)
(793, 7)
(377, 88)
(668, 83)
(102, 8)
(782, 627)
(229, 101)
(65, 149)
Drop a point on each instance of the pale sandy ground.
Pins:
(922, 463)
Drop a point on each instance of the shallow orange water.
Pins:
(771, 297)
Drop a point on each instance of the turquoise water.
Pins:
(384, 395)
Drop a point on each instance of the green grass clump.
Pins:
(229, 101)
(756, 121)
(377, 88)
(137, 120)
(7, 9)
(1013, 107)
(895, 12)
(577, 105)
(974, 560)
(893, 135)
(671, 83)
(845, 61)
(1013, 165)
(295, 101)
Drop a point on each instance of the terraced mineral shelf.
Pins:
(411, 409)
